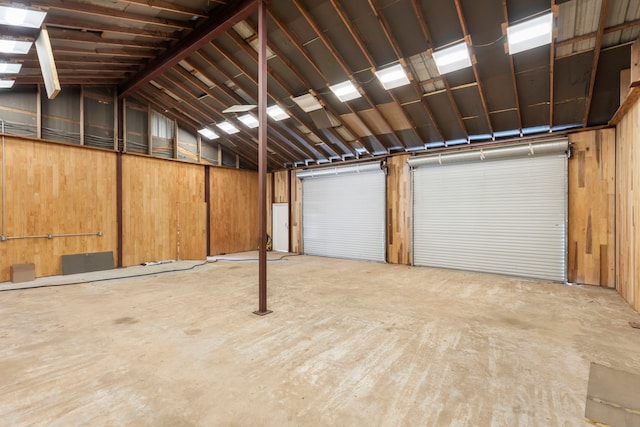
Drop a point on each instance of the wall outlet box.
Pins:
(23, 272)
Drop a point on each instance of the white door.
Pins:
(502, 212)
(343, 212)
(280, 227)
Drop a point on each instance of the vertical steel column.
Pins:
(262, 158)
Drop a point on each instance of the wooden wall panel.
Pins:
(296, 214)
(56, 189)
(234, 210)
(628, 206)
(281, 186)
(192, 230)
(399, 210)
(155, 194)
(591, 219)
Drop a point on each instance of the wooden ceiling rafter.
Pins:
(365, 52)
(301, 119)
(101, 11)
(206, 110)
(326, 104)
(604, 6)
(512, 66)
(194, 81)
(169, 7)
(218, 23)
(608, 30)
(54, 21)
(345, 68)
(372, 64)
(237, 99)
(427, 36)
(474, 67)
(106, 52)
(79, 36)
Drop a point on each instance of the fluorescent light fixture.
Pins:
(529, 34)
(9, 68)
(228, 127)
(239, 108)
(277, 113)
(208, 133)
(345, 91)
(392, 77)
(249, 121)
(6, 84)
(20, 17)
(307, 102)
(15, 46)
(452, 58)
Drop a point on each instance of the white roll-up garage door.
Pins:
(499, 210)
(343, 212)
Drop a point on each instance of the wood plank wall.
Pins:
(628, 207)
(234, 210)
(56, 189)
(296, 214)
(156, 194)
(399, 210)
(591, 233)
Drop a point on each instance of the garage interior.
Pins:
(452, 209)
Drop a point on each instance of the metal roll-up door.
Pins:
(497, 210)
(343, 212)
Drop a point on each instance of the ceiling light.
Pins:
(392, 77)
(277, 113)
(529, 34)
(208, 133)
(307, 102)
(20, 17)
(9, 68)
(6, 84)
(249, 121)
(228, 127)
(452, 58)
(15, 46)
(239, 108)
(345, 91)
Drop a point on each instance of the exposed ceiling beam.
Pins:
(100, 11)
(345, 68)
(427, 36)
(392, 42)
(107, 52)
(201, 106)
(54, 21)
(218, 23)
(327, 105)
(476, 73)
(95, 38)
(169, 7)
(596, 57)
(220, 85)
(608, 30)
(304, 120)
(512, 66)
(249, 91)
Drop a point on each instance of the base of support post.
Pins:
(262, 313)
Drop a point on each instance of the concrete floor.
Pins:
(349, 344)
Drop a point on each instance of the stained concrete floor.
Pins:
(348, 344)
